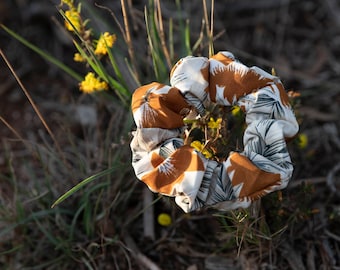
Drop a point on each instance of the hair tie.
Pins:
(167, 165)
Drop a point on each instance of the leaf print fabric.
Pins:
(168, 166)
(158, 105)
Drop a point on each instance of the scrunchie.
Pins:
(167, 166)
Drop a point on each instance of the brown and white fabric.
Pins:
(167, 166)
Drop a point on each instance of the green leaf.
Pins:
(83, 183)
(158, 58)
(43, 54)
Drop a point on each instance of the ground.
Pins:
(295, 229)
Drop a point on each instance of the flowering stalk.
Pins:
(93, 52)
(92, 84)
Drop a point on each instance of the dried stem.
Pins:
(148, 215)
(11, 128)
(209, 31)
(138, 255)
(161, 33)
(128, 38)
(121, 29)
(34, 106)
(211, 44)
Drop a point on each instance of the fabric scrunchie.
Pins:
(167, 166)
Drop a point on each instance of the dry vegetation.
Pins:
(101, 226)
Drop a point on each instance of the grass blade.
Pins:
(43, 54)
(83, 183)
(33, 217)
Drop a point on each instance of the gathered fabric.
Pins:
(168, 166)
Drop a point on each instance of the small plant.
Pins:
(216, 133)
(93, 52)
(242, 230)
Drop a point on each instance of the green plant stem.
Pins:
(83, 183)
(44, 54)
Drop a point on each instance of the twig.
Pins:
(161, 33)
(332, 235)
(310, 260)
(211, 48)
(11, 129)
(140, 257)
(114, 18)
(148, 215)
(209, 31)
(329, 252)
(331, 181)
(128, 38)
(6, 85)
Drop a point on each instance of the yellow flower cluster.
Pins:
(105, 41)
(92, 84)
(73, 22)
(67, 2)
(214, 124)
(200, 147)
(89, 49)
(78, 58)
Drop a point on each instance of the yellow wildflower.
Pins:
(67, 2)
(197, 145)
(214, 124)
(92, 84)
(73, 22)
(302, 140)
(78, 58)
(164, 219)
(105, 41)
(236, 111)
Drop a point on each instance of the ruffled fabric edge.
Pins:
(168, 167)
